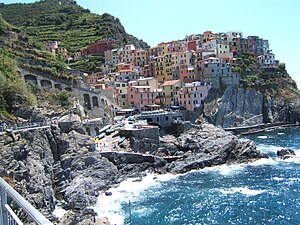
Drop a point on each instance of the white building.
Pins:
(267, 60)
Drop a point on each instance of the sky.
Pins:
(157, 21)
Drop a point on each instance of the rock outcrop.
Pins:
(48, 166)
(286, 153)
(242, 107)
(208, 146)
(236, 106)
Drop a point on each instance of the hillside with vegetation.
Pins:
(67, 22)
(275, 82)
(17, 51)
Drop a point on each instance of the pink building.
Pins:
(144, 93)
(192, 95)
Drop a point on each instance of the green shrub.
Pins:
(63, 99)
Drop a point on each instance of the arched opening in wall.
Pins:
(68, 89)
(95, 101)
(46, 83)
(154, 124)
(58, 86)
(105, 102)
(102, 101)
(87, 101)
(97, 130)
(30, 79)
(88, 131)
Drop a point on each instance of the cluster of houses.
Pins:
(177, 73)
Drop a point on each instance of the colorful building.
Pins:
(144, 93)
(192, 95)
(170, 91)
(267, 61)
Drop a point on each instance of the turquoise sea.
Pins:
(264, 192)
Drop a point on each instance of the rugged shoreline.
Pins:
(50, 166)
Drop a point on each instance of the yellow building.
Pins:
(121, 93)
(170, 90)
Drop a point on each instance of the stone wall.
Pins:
(142, 140)
(95, 103)
(163, 119)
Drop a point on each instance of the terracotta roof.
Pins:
(122, 71)
(170, 82)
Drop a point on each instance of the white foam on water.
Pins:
(242, 190)
(277, 178)
(263, 161)
(59, 212)
(268, 148)
(262, 137)
(280, 133)
(127, 191)
(227, 170)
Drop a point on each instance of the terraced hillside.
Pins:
(67, 22)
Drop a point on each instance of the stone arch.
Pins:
(95, 101)
(88, 130)
(29, 78)
(154, 124)
(69, 89)
(102, 101)
(97, 130)
(87, 101)
(58, 86)
(46, 83)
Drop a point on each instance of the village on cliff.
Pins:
(176, 74)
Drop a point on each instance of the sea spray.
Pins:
(127, 192)
(262, 192)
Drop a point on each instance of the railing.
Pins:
(8, 216)
(22, 126)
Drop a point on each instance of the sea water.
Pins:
(264, 192)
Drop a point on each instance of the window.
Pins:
(120, 91)
(157, 119)
(123, 103)
(131, 96)
(167, 118)
(118, 85)
(123, 85)
(212, 70)
(195, 95)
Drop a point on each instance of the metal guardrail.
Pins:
(22, 126)
(8, 216)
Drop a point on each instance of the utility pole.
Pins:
(129, 212)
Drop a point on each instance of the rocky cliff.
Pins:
(271, 100)
(48, 166)
(236, 106)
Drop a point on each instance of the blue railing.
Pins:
(8, 216)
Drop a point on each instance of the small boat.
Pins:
(109, 131)
(104, 128)
(102, 135)
(121, 139)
